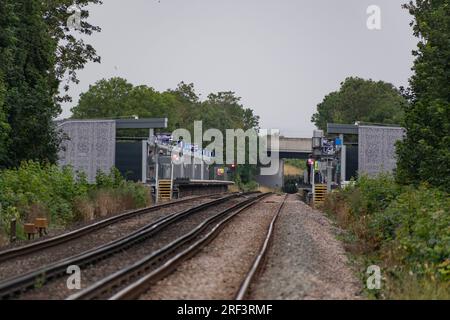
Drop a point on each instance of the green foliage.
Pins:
(249, 186)
(36, 52)
(375, 194)
(27, 69)
(361, 100)
(115, 97)
(4, 126)
(33, 183)
(109, 181)
(418, 221)
(72, 52)
(404, 228)
(297, 163)
(46, 190)
(425, 154)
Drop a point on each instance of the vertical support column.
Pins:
(202, 166)
(192, 166)
(144, 161)
(13, 231)
(343, 159)
(171, 180)
(151, 136)
(181, 169)
(157, 174)
(329, 175)
(313, 182)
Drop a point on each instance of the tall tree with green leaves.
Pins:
(37, 51)
(117, 98)
(6, 43)
(4, 126)
(424, 155)
(30, 85)
(361, 100)
(72, 53)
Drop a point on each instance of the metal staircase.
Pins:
(320, 192)
(164, 190)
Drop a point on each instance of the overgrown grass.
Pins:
(62, 196)
(403, 229)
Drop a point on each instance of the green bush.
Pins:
(249, 186)
(405, 228)
(35, 189)
(419, 224)
(375, 193)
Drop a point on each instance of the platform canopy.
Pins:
(154, 123)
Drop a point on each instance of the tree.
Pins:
(224, 111)
(6, 41)
(4, 126)
(361, 100)
(105, 99)
(37, 51)
(116, 98)
(424, 155)
(71, 54)
(30, 83)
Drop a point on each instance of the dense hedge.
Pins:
(405, 229)
(61, 195)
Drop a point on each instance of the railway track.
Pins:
(245, 287)
(89, 238)
(13, 287)
(162, 262)
(76, 234)
(143, 285)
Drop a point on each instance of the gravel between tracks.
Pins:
(57, 289)
(305, 260)
(21, 265)
(217, 270)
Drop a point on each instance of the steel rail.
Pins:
(27, 281)
(141, 285)
(78, 233)
(258, 262)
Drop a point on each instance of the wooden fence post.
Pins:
(13, 231)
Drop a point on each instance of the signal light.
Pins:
(175, 158)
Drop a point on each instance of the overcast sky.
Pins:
(281, 56)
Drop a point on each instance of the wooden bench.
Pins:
(41, 225)
(30, 230)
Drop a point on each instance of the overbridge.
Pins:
(292, 148)
(289, 148)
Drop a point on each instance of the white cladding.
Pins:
(377, 148)
(90, 146)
